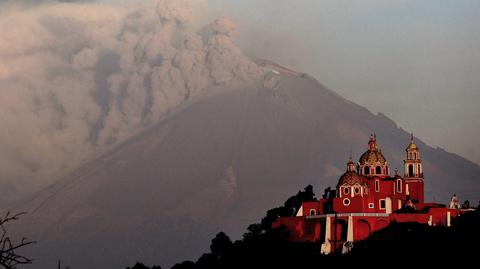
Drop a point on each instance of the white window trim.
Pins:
(355, 190)
(346, 204)
(314, 212)
(399, 184)
(371, 205)
(377, 185)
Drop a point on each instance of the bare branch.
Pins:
(9, 258)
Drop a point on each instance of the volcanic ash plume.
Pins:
(77, 78)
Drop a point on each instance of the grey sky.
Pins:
(417, 62)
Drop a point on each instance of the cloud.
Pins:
(77, 78)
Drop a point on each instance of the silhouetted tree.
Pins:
(140, 265)
(9, 255)
(221, 245)
(184, 265)
(289, 208)
(254, 230)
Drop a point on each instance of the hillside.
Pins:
(216, 164)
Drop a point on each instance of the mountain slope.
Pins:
(217, 164)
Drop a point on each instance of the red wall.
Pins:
(312, 229)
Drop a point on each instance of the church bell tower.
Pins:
(414, 172)
(413, 163)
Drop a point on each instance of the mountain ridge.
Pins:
(217, 164)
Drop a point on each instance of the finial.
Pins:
(350, 164)
(396, 172)
(411, 137)
(372, 144)
(351, 156)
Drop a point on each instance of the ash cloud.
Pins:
(76, 78)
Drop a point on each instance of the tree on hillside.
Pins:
(9, 255)
(140, 265)
(289, 208)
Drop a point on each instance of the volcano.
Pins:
(217, 164)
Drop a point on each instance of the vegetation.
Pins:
(140, 265)
(9, 249)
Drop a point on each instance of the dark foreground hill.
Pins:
(213, 165)
(405, 244)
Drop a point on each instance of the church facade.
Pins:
(366, 199)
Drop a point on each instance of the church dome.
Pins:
(372, 157)
(412, 145)
(352, 178)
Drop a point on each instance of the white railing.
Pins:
(347, 215)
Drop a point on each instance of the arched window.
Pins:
(419, 169)
(415, 156)
(399, 186)
(367, 170)
(356, 190)
(346, 190)
(410, 170)
(378, 170)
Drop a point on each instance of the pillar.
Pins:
(326, 246)
(347, 246)
(350, 229)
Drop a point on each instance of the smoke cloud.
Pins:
(77, 78)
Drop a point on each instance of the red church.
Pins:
(367, 198)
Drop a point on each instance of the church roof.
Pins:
(352, 178)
